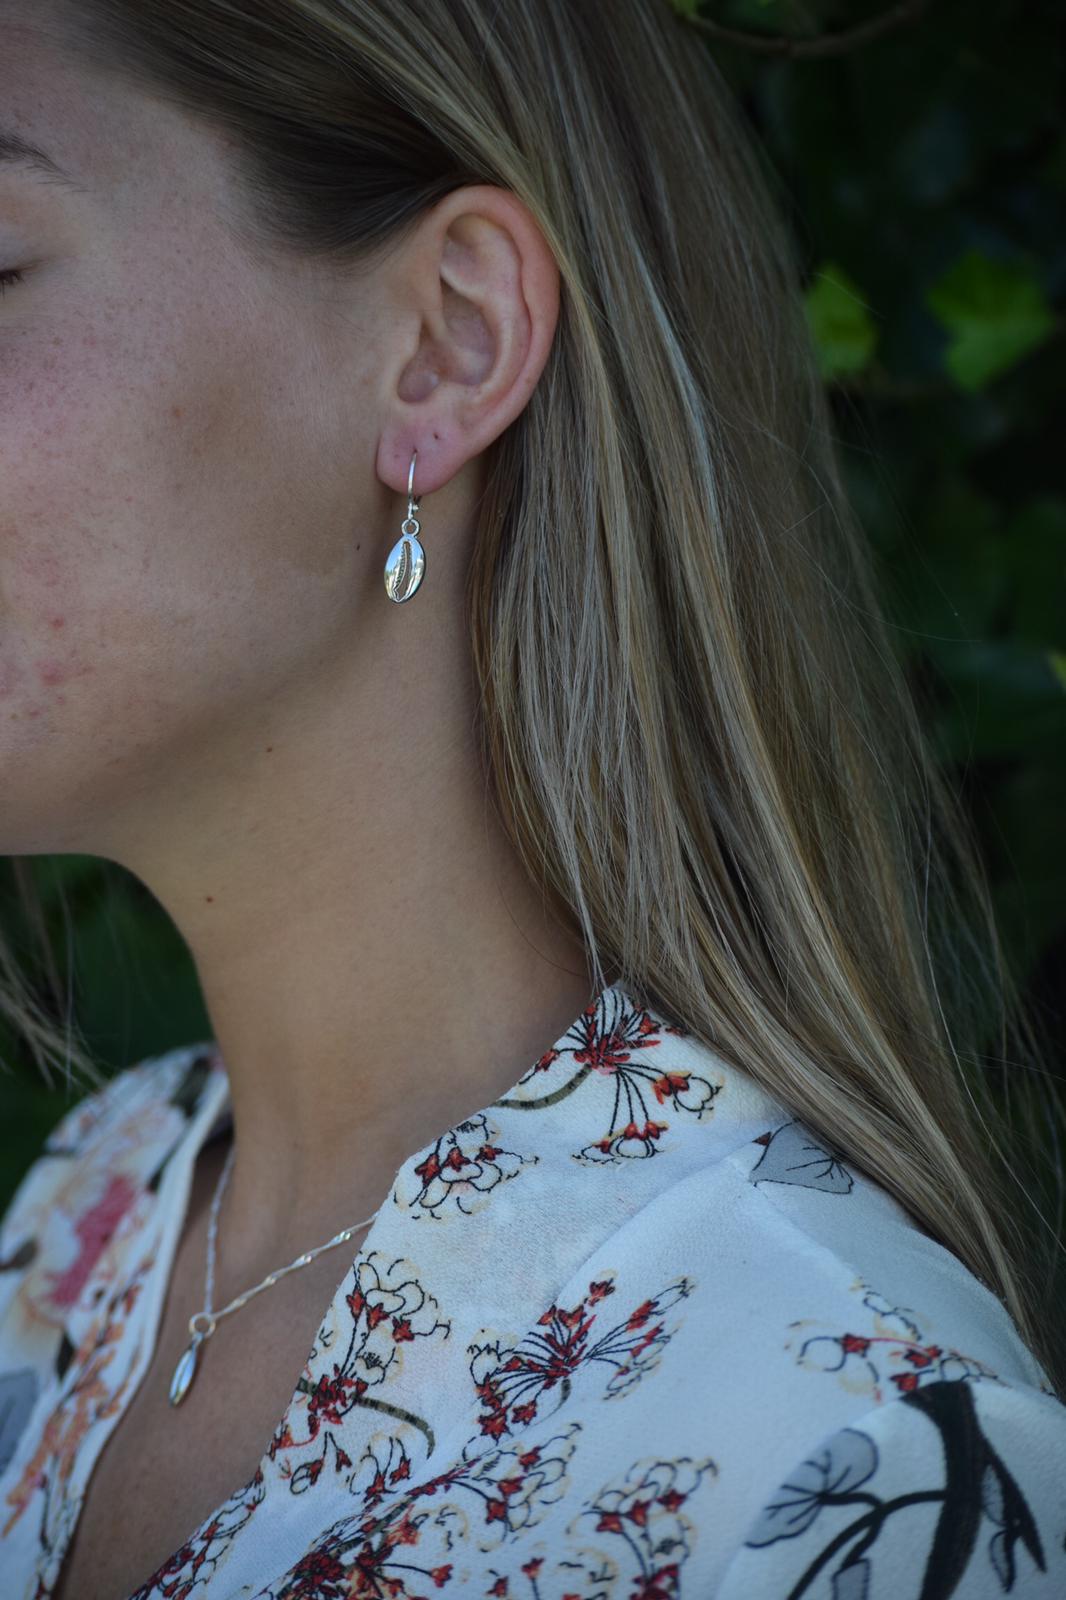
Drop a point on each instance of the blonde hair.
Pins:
(695, 727)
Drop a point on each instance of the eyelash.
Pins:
(9, 279)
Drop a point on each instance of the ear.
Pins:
(474, 291)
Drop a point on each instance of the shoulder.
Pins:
(940, 1465)
(803, 1255)
(956, 1488)
(842, 1231)
(780, 1320)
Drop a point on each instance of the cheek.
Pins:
(132, 507)
(76, 560)
(164, 559)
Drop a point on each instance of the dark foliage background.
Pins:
(924, 151)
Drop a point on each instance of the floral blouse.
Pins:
(627, 1333)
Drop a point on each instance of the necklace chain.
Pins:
(271, 1277)
(185, 1370)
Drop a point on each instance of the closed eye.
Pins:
(9, 279)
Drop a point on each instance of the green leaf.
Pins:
(995, 311)
(840, 321)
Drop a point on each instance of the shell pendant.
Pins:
(406, 564)
(185, 1371)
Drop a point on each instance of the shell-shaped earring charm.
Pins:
(406, 563)
(407, 559)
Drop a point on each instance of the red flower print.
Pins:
(464, 1166)
(512, 1384)
(429, 1168)
(319, 1576)
(329, 1398)
(319, 1564)
(388, 1309)
(897, 1340)
(658, 1585)
(644, 1512)
(611, 1047)
(614, 1047)
(641, 1314)
(922, 1357)
(197, 1559)
(670, 1084)
(372, 1556)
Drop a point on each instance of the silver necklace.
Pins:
(185, 1371)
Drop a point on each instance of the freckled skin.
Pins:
(181, 470)
(56, 672)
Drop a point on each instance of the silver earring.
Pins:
(407, 559)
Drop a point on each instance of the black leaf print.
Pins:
(792, 1156)
(847, 1460)
(852, 1581)
(977, 1484)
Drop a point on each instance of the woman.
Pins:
(583, 1191)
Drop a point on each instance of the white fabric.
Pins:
(627, 1332)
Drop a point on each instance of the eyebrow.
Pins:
(17, 151)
